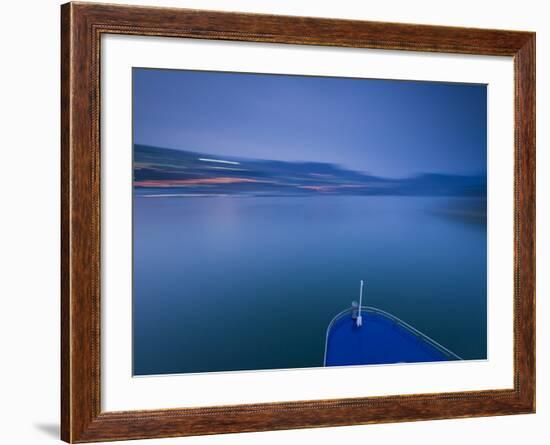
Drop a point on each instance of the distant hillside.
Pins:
(163, 169)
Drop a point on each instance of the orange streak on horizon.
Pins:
(206, 181)
(330, 188)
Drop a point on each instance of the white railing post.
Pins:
(359, 319)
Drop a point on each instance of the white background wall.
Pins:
(29, 205)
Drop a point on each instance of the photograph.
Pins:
(229, 222)
(293, 221)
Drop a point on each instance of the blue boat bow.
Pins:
(365, 335)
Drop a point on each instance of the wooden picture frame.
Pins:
(82, 25)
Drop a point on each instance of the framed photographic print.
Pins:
(277, 222)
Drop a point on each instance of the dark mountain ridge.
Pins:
(163, 169)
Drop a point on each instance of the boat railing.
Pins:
(396, 320)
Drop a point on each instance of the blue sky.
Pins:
(383, 127)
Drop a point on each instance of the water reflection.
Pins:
(235, 283)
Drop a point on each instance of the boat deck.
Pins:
(382, 339)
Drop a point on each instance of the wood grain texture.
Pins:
(82, 25)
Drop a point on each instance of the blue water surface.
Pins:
(241, 283)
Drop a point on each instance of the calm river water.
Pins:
(239, 283)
